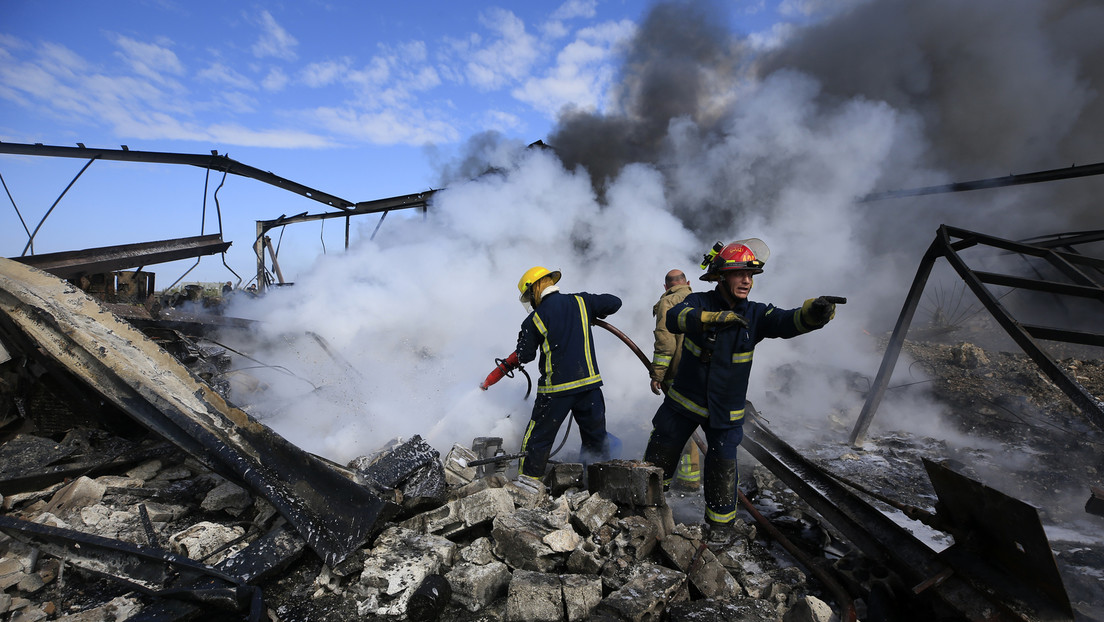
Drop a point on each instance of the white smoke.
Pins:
(422, 311)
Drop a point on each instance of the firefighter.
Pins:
(666, 353)
(559, 325)
(721, 328)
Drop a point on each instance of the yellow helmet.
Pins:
(531, 276)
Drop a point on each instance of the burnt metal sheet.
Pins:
(33, 463)
(268, 555)
(1081, 270)
(881, 538)
(70, 264)
(148, 569)
(1004, 532)
(333, 514)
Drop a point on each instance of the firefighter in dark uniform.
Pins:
(721, 328)
(559, 325)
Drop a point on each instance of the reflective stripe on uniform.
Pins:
(716, 517)
(524, 442)
(687, 403)
(742, 357)
(686, 470)
(546, 349)
(662, 360)
(682, 318)
(554, 388)
(799, 324)
(736, 415)
(587, 348)
(691, 347)
(594, 376)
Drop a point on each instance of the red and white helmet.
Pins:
(750, 254)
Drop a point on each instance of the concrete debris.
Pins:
(549, 597)
(475, 586)
(490, 547)
(644, 597)
(206, 541)
(227, 496)
(809, 609)
(690, 555)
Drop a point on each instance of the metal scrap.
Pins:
(334, 514)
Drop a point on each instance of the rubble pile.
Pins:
(466, 545)
(131, 487)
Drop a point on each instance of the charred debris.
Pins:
(133, 488)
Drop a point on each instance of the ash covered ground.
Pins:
(1002, 423)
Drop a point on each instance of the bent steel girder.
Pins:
(70, 264)
(948, 243)
(214, 162)
(334, 514)
(1036, 177)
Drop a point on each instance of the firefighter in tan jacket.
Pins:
(665, 360)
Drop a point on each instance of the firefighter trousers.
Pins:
(671, 428)
(549, 411)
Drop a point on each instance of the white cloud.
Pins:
(372, 75)
(134, 104)
(507, 58)
(555, 28)
(229, 134)
(324, 73)
(276, 80)
(274, 40)
(773, 38)
(393, 76)
(815, 8)
(575, 8)
(222, 74)
(238, 102)
(149, 59)
(386, 127)
(500, 121)
(583, 71)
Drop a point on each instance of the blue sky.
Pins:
(361, 100)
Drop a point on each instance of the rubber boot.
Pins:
(665, 457)
(720, 502)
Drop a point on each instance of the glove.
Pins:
(722, 319)
(818, 311)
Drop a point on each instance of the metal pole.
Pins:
(896, 341)
(275, 265)
(258, 248)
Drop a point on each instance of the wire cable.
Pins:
(21, 221)
(30, 241)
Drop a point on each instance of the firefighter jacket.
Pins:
(560, 327)
(668, 347)
(712, 379)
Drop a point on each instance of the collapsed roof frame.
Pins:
(213, 162)
(418, 200)
(223, 163)
(948, 243)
